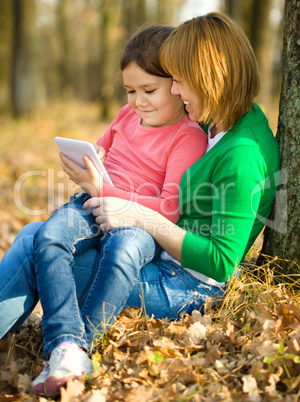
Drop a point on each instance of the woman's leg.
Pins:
(18, 291)
(169, 290)
(122, 254)
(54, 248)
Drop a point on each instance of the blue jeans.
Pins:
(123, 252)
(168, 289)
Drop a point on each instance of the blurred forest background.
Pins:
(59, 75)
(54, 50)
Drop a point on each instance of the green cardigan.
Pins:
(227, 195)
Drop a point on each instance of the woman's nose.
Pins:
(175, 88)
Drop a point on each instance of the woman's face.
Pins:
(189, 97)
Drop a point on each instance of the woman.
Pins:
(224, 197)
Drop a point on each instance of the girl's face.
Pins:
(188, 96)
(150, 97)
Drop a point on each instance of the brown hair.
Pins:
(143, 49)
(213, 55)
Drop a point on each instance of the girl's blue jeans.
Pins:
(109, 277)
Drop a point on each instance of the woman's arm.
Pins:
(113, 212)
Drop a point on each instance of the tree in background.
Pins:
(64, 65)
(255, 18)
(283, 231)
(26, 86)
(6, 37)
(69, 50)
(111, 34)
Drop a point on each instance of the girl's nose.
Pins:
(139, 100)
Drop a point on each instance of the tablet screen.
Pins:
(76, 149)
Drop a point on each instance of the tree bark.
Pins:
(282, 235)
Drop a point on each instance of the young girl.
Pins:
(148, 147)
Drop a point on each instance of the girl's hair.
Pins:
(213, 56)
(143, 49)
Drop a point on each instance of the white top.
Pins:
(166, 256)
(212, 141)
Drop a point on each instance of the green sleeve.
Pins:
(234, 208)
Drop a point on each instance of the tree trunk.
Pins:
(282, 234)
(261, 40)
(65, 74)
(235, 8)
(111, 34)
(25, 84)
(5, 55)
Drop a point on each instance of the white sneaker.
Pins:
(67, 361)
(37, 385)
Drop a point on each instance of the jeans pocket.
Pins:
(186, 293)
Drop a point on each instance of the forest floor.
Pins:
(247, 348)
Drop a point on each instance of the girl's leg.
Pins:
(122, 254)
(169, 290)
(54, 247)
(18, 290)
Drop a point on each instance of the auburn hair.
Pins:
(214, 57)
(143, 49)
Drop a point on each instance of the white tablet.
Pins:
(76, 149)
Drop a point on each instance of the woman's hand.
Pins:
(111, 212)
(88, 179)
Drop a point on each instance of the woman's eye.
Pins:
(130, 92)
(150, 92)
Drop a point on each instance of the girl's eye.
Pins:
(150, 92)
(130, 92)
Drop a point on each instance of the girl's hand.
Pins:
(88, 179)
(111, 212)
(101, 152)
(56, 208)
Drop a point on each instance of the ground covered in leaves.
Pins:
(247, 348)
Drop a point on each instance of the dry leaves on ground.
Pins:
(250, 353)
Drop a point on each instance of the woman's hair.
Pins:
(213, 56)
(143, 49)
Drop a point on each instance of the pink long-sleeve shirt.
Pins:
(146, 164)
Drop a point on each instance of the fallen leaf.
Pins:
(72, 392)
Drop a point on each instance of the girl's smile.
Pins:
(150, 97)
